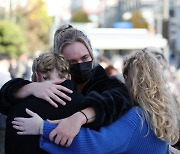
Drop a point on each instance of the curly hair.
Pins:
(46, 62)
(149, 89)
(67, 34)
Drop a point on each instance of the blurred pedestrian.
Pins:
(111, 71)
(4, 77)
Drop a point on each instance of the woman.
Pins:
(106, 98)
(148, 127)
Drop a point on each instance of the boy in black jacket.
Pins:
(48, 66)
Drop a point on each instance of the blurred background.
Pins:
(115, 28)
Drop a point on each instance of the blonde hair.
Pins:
(46, 62)
(149, 89)
(67, 34)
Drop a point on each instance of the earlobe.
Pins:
(69, 76)
(38, 77)
(34, 77)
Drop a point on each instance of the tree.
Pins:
(138, 21)
(80, 16)
(12, 40)
(36, 23)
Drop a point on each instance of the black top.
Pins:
(30, 144)
(107, 95)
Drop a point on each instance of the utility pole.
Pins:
(165, 16)
(177, 14)
(178, 25)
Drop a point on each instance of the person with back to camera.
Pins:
(48, 66)
(148, 127)
(107, 98)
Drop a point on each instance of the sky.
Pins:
(54, 6)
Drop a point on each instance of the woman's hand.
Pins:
(28, 126)
(67, 129)
(49, 90)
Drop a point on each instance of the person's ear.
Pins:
(38, 77)
(125, 77)
(68, 76)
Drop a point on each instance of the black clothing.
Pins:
(29, 144)
(108, 96)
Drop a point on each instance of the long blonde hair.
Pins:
(148, 87)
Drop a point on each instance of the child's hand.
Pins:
(28, 126)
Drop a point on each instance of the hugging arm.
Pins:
(69, 127)
(18, 88)
(63, 134)
(8, 90)
(110, 139)
(50, 91)
(110, 104)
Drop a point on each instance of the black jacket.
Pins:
(29, 144)
(108, 96)
(7, 100)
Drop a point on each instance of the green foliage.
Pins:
(33, 30)
(138, 21)
(80, 16)
(35, 22)
(39, 22)
(12, 41)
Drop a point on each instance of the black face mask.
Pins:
(81, 72)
